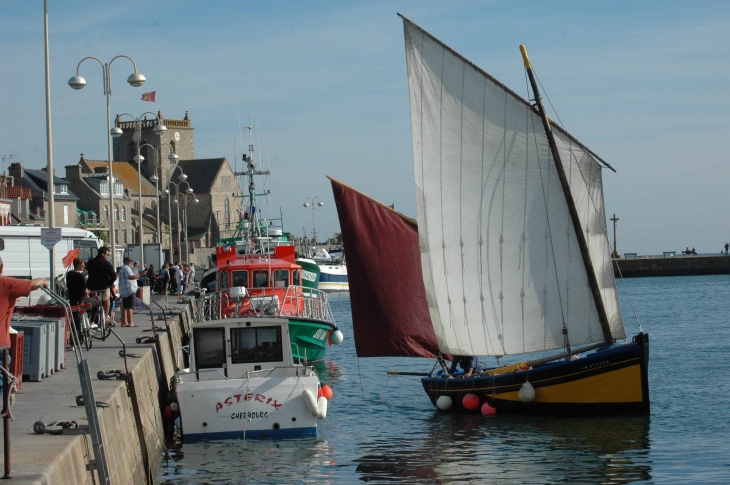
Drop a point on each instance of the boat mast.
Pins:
(582, 243)
(250, 171)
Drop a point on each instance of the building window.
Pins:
(144, 151)
(118, 188)
(106, 212)
(116, 212)
(172, 146)
(124, 213)
(116, 236)
(136, 205)
(60, 189)
(124, 236)
(65, 215)
(131, 151)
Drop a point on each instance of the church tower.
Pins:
(177, 139)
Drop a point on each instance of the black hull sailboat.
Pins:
(606, 382)
(511, 247)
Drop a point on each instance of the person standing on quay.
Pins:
(727, 246)
(128, 289)
(10, 290)
(101, 277)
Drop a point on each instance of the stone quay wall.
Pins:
(671, 266)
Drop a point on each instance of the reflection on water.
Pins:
(381, 429)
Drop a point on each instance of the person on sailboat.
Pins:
(469, 365)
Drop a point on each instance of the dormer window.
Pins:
(60, 189)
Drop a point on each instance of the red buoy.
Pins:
(470, 401)
(488, 410)
(325, 391)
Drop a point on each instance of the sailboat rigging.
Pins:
(514, 254)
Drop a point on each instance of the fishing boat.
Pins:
(266, 266)
(509, 255)
(332, 275)
(244, 381)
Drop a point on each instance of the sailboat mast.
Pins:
(582, 243)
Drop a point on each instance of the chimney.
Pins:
(16, 170)
(73, 172)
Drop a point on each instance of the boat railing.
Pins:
(304, 302)
(298, 301)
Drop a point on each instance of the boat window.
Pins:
(297, 277)
(261, 344)
(260, 278)
(2, 244)
(87, 248)
(281, 278)
(223, 280)
(210, 348)
(240, 278)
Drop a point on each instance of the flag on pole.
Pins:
(70, 256)
(150, 96)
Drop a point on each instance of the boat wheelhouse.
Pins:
(243, 381)
(274, 288)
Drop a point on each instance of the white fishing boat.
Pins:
(242, 381)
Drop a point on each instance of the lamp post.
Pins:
(136, 79)
(316, 202)
(154, 180)
(116, 132)
(183, 180)
(173, 158)
(188, 192)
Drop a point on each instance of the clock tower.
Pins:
(178, 139)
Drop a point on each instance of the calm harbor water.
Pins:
(381, 430)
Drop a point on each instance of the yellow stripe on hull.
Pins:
(616, 386)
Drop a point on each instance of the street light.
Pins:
(188, 192)
(154, 180)
(159, 129)
(316, 202)
(136, 79)
(182, 178)
(173, 158)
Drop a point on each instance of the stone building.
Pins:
(37, 182)
(212, 181)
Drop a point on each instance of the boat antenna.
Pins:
(577, 227)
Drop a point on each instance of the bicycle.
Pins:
(97, 325)
(85, 324)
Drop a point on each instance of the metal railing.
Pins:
(298, 301)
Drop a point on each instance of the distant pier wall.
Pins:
(671, 266)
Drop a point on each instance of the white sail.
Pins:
(501, 262)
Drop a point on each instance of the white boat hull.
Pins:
(266, 407)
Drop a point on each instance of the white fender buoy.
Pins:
(322, 405)
(336, 337)
(310, 402)
(444, 403)
(527, 392)
(174, 407)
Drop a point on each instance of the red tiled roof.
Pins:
(17, 192)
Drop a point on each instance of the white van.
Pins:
(25, 257)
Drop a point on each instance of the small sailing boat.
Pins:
(514, 255)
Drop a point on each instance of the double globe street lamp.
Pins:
(116, 132)
(316, 202)
(77, 82)
(173, 158)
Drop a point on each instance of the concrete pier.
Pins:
(63, 459)
(677, 265)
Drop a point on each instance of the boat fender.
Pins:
(444, 403)
(310, 402)
(470, 401)
(336, 337)
(322, 405)
(325, 391)
(527, 392)
(174, 407)
(488, 410)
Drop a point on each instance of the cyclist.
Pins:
(101, 277)
(79, 293)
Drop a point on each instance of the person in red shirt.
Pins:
(10, 290)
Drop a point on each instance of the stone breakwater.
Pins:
(64, 459)
(671, 266)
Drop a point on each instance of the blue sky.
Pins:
(644, 84)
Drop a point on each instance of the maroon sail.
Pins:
(389, 311)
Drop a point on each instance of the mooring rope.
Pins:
(13, 388)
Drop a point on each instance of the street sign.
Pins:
(50, 236)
